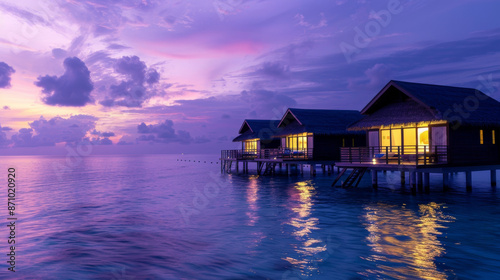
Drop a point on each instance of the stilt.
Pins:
(493, 176)
(403, 180)
(420, 182)
(289, 169)
(445, 181)
(301, 169)
(374, 179)
(323, 168)
(427, 184)
(237, 167)
(413, 179)
(468, 180)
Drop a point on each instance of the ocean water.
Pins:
(178, 217)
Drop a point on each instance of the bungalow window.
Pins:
(343, 142)
(395, 139)
(493, 137)
(423, 138)
(251, 146)
(410, 140)
(481, 137)
(386, 138)
(297, 141)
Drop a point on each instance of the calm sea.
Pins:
(177, 217)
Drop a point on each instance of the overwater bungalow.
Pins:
(317, 134)
(427, 128)
(301, 137)
(421, 124)
(254, 136)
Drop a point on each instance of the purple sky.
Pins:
(180, 76)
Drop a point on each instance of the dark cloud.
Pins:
(117, 47)
(165, 133)
(5, 72)
(73, 88)
(44, 132)
(59, 53)
(3, 137)
(138, 86)
(103, 134)
(225, 116)
(265, 103)
(276, 70)
(99, 141)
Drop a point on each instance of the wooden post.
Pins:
(374, 179)
(445, 181)
(288, 169)
(301, 169)
(493, 176)
(413, 178)
(420, 182)
(237, 167)
(323, 168)
(427, 184)
(403, 181)
(468, 180)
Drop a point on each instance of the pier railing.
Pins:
(398, 155)
(280, 153)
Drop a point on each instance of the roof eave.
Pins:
(284, 116)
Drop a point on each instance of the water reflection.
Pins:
(252, 196)
(405, 243)
(307, 258)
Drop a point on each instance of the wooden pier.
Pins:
(418, 175)
(270, 166)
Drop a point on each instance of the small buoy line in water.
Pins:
(198, 161)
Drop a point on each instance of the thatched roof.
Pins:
(317, 121)
(404, 102)
(252, 129)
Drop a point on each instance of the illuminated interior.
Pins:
(409, 137)
(297, 141)
(250, 146)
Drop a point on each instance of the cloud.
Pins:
(6, 107)
(44, 132)
(3, 137)
(274, 70)
(138, 86)
(164, 132)
(5, 72)
(103, 134)
(265, 103)
(73, 88)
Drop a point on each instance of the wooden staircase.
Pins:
(270, 168)
(353, 179)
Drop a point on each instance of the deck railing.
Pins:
(279, 153)
(399, 155)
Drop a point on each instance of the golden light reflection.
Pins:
(304, 225)
(404, 243)
(252, 197)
